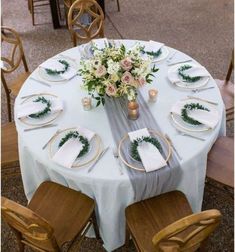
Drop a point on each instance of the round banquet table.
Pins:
(112, 191)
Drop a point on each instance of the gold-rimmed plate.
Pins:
(179, 123)
(95, 147)
(124, 146)
(57, 77)
(48, 118)
(184, 84)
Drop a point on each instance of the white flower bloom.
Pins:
(113, 67)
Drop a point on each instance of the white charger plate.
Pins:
(48, 118)
(94, 150)
(56, 78)
(178, 122)
(187, 85)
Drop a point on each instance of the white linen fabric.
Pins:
(55, 65)
(68, 152)
(26, 109)
(197, 71)
(105, 183)
(100, 43)
(153, 46)
(208, 118)
(150, 156)
(178, 57)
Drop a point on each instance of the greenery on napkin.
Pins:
(55, 72)
(83, 140)
(133, 148)
(152, 53)
(191, 106)
(45, 111)
(185, 77)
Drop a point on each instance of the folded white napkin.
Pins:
(35, 107)
(68, 152)
(192, 72)
(55, 65)
(153, 46)
(100, 43)
(150, 156)
(208, 118)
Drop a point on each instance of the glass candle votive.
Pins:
(153, 95)
(86, 103)
(133, 110)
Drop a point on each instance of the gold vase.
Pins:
(133, 110)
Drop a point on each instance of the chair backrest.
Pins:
(32, 229)
(230, 68)
(85, 21)
(13, 41)
(188, 233)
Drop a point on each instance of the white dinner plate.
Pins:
(187, 85)
(56, 78)
(48, 118)
(178, 122)
(162, 56)
(91, 155)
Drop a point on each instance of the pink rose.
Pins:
(141, 81)
(126, 64)
(100, 71)
(127, 78)
(111, 90)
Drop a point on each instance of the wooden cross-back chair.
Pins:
(227, 90)
(11, 63)
(166, 223)
(81, 32)
(55, 215)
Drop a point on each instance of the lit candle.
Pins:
(86, 102)
(133, 110)
(153, 95)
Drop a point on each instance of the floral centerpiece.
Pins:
(115, 72)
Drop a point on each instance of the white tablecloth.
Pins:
(111, 191)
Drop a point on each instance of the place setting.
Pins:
(39, 110)
(75, 147)
(144, 150)
(194, 115)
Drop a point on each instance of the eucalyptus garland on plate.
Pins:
(191, 106)
(45, 111)
(83, 140)
(152, 53)
(133, 148)
(185, 77)
(55, 72)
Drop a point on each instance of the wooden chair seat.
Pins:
(220, 161)
(55, 215)
(16, 85)
(146, 218)
(65, 209)
(9, 150)
(227, 92)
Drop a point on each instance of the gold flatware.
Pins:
(200, 99)
(182, 133)
(45, 145)
(179, 62)
(41, 127)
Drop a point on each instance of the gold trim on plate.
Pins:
(150, 131)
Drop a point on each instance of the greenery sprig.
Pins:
(187, 77)
(46, 110)
(83, 140)
(152, 53)
(191, 106)
(55, 72)
(134, 151)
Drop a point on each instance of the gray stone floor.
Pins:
(200, 28)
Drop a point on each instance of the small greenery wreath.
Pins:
(191, 106)
(46, 110)
(55, 72)
(133, 148)
(152, 53)
(187, 77)
(83, 140)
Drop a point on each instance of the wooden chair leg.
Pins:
(58, 7)
(127, 240)
(118, 5)
(229, 72)
(9, 106)
(18, 238)
(32, 12)
(95, 225)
